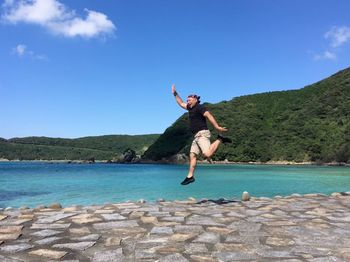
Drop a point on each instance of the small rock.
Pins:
(8, 208)
(245, 196)
(40, 207)
(161, 200)
(55, 206)
(2, 217)
(23, 208)
(141, 201)
(335, 194)
(295, 195)
(192, 199)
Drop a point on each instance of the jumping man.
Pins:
(198, 116)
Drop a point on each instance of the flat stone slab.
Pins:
(48, 253)
(15, 248)
(162, 230)
(117, 224)
(48, 240)
(109, 256)
(46, 233)
(91, 237)
(50, 226)
(10, 236)
(208, 237)
(54, 218)
(76, 246)
(110, 217)
(85, 219)
(10, 229)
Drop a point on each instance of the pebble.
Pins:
(245, 196)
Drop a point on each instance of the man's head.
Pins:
(192, 100)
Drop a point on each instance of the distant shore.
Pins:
(202, 162)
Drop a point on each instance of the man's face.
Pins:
(191, 101)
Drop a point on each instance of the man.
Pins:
(198, 115)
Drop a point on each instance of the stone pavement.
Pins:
(312, 227)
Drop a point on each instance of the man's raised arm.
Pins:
(178, 98)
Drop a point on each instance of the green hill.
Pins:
(97, 147)
(309, 124)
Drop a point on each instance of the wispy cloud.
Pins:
(338, 35)
(22, 51)
(57, 18)
(326, 55)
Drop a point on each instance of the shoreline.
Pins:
(245, 197)
(277, 163)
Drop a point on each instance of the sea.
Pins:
(41, 183)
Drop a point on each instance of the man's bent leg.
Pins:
(212, 149)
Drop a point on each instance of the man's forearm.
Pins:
(213, 121)
(178, 98)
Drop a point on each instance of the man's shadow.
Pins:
(220, 201)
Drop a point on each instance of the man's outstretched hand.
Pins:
(173, 89)
(221, 129)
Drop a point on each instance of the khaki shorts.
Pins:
(201, 142)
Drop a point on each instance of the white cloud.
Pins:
(338, 35)
(94, 24)
(326, 55)
(19, 50)
(22, 51)
(57, 18)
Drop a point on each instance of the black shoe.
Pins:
(224, 139)
(187, 181)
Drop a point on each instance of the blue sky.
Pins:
(96, 67)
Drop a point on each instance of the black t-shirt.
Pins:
(198, 121)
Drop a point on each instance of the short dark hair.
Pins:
(195, 96)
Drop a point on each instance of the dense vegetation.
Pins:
(96, 147)
(309, 124)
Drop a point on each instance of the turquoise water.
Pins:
(34, 183)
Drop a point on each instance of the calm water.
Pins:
(32, 183)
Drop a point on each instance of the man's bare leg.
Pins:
(212, 149)
(190, 178)
(193, 163)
